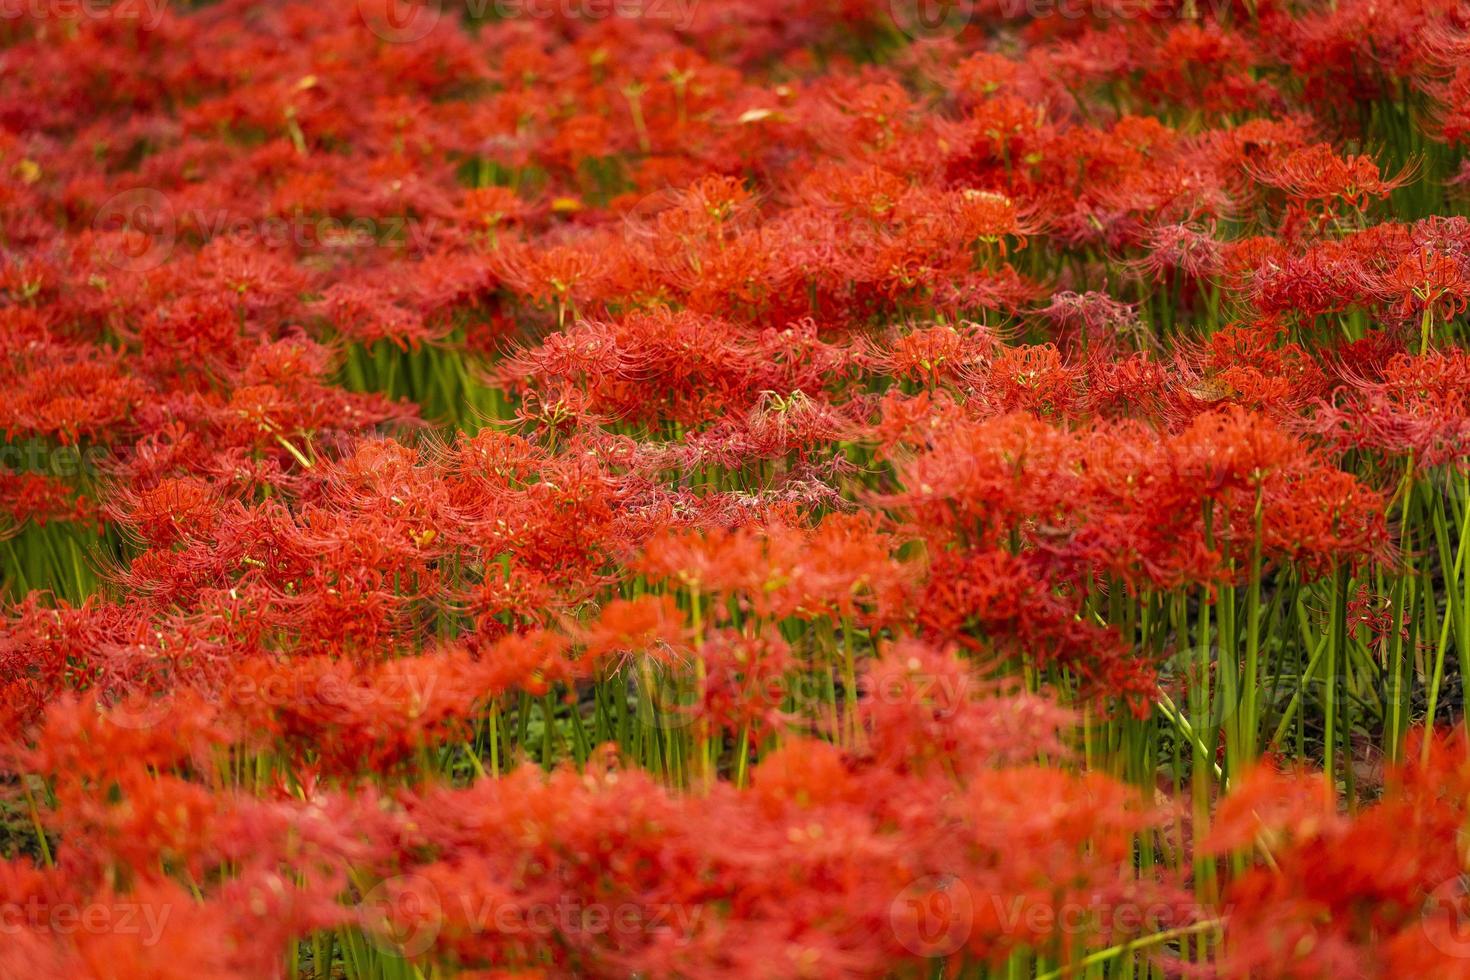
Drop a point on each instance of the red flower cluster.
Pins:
(742, 490)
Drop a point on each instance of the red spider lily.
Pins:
(1089, 319)
(698, 490)
(675, 366)
(1317, 174)
(929, 708)
(367, 314)
(1427, 282)
(1192, 253)
(1315, 908)
(64, 392)
(564, 277)
(35, 498)
(936, 353)
(1415, 407)
(837, 568)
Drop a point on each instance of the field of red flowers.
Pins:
(734, 488)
